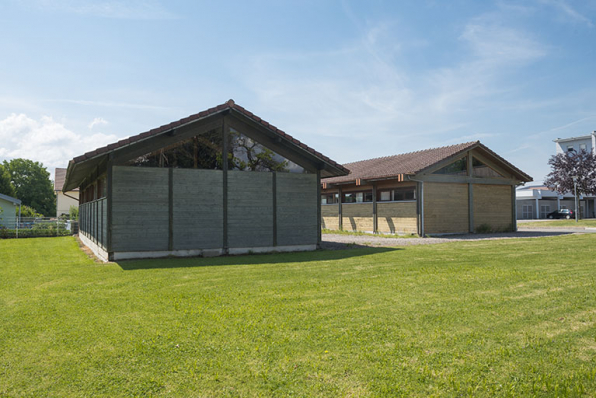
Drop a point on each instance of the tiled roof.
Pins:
(197, 116)
(59, 177)
(409, 163)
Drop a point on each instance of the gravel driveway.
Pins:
(333, 241)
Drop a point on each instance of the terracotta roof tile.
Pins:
(408, 163)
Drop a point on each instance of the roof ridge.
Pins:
(470, 143)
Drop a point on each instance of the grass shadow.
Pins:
(248, 259)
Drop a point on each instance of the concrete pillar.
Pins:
(537, 209)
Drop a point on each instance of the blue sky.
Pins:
(352, 79)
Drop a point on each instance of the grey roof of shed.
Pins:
(10, 199)
(331, 168)
(413, 163)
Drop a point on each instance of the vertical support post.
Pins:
(471, 206)
(18, 221)
(319, 226)
(470, 166)
(224, 158)
(374, 208)
(537, 209)
(109, 204)
(513, 209)
(274, 196)
(340, 221)
(96, 221)
(170, 209)
(421, 198)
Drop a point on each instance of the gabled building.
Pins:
(64, 200)
(220, 181)
(452, 189)
(536, 202)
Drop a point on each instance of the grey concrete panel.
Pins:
(198, 209)
(297, 209)
(250, 209)
(140, 209)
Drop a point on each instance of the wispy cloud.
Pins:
(120, 9)
(111, 104)
(569, 12)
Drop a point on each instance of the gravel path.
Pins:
(335, 242)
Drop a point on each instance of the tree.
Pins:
(566, 165)
(6, 186)
(32, 185)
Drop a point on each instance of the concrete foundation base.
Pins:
(99, 251)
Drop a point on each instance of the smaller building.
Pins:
(10, 207)
(454, 189)
(64, 199)
(535, 202)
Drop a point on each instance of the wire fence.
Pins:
(30, 227)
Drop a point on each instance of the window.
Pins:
(570, 148)
(582, 147)
(248, 155)
(459, 168)
(398, 194)
(203, 151)
(357, 197)
(544, 210)
(479, 169)
(329, 198)
(527, 212)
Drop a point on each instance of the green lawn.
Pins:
(505, 318)
(558, 223)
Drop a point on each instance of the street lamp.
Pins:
(575, 194)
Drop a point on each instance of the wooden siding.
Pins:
(140, 216)
(357, 217)
(250, 209)
(446, 208)
(296, 209)
(397, 217)
(492, 206)
(330, 216)
(197, 209)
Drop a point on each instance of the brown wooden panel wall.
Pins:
(397, 217)
(329, 216)
(357, 217)
(446, 208)
(492, 206)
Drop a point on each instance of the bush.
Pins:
(484, 229)
(74, 213)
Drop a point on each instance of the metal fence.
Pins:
(33, 227)
(93, 218)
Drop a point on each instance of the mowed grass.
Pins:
(489, 318)
(562, 223)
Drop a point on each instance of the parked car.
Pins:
(563, 213)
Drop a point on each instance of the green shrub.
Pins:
(484, 229)
(74, 213)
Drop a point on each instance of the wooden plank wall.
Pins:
(197, 209)
(397, 217)
(140, 216)
(250, 209)
(492, 206)
(329, 216)
(357, 217)
(446, 208)
(297, 222)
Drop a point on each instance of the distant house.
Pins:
(576, 144)
(64, 199)
(535, 202)
(452, 189)
(220, 181)
(587, 203)
(10, 207)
